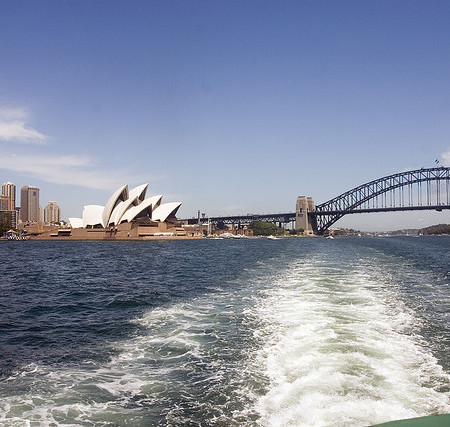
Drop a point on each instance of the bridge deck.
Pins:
(289, 217)
(245, 219)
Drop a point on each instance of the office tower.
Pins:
(4, 203)
(29, 204)
(9, 191)
(52, 213)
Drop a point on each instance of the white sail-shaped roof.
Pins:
(76, 222)
(138, 192)
(125, 206)
(92, 215)
(119, 195)
(156, 200)
(135, 197)
(119, 210)
(149, 203)
(164, 211)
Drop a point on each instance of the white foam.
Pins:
(180, 345)
(330, 346)
(340, 352)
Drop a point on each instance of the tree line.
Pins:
(436, 229)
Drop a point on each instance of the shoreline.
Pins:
(105, 239)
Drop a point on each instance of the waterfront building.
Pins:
(52, 213)
(29, 204)
(9, 191)
(128, 214)
(126, 206)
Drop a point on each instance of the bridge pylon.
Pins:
(303, 221)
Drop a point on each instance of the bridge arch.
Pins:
(421, 189)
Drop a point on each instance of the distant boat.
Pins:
(232, 236)
(273, 237)
(226, 236)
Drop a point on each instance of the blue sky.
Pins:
(230, 107)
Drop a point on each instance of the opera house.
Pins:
(128, 214)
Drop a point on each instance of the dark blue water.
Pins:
(63, 302)
(224, 332)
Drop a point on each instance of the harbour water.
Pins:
(253, 332)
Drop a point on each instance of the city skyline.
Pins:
(29, 210)
(229, 107)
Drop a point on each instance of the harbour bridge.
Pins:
(421, 189)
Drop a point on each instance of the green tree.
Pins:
(298, 232)
(262, 228)
(436, 229)
(5, 222)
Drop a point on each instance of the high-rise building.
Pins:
(52, 213)
(8, 203)
(29, 204)
(9, 191)
(4, 203)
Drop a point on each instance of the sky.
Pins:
(231, 107)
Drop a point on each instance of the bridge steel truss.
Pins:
(422, 189)
(241, 220)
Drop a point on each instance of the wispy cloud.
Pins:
(13, 127)
(64, 169)
(446, 158)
